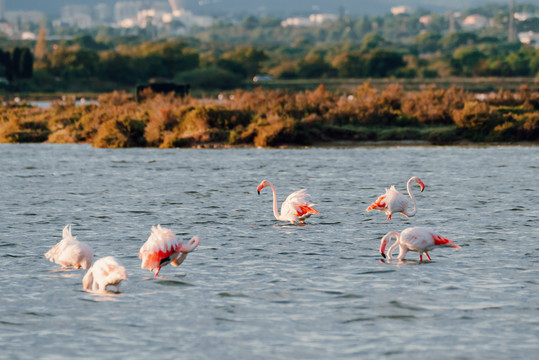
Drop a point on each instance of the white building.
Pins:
(320, 18)
(188, 19)
(28, 35)
(474, 22)
(425, 19)
(312, 20)
(399, 10)
(529, 38)
(523, 16)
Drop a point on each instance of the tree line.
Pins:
(228, 54)
(16, 64)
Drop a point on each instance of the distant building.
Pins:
(188, 19)
(21, 17)
(28, 35)
(312, 20)
(425, 19)
(177, 5)
(523, 16)
(127, 10)
(296, 22)
(474, 22)
(399, 10)
(76, 15)
(102, 13)
(320, 18)
(7, 29)
(529, 38)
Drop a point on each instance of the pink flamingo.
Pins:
(393, 201)
(70, 253)
(104, 272)
(295, 208)
(163, 248)
(418, 239)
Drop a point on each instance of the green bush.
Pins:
(210, 78)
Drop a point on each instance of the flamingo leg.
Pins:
(420, 257)
(389, 217)
(426, 253)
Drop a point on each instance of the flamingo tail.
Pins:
(440, 240)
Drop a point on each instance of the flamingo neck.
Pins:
(395, 244)
(414, 210)
(275, 211)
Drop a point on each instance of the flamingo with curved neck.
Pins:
(418, 239)
(394, 202)
(295, 208)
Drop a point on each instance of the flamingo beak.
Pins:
(383, 248)
(258, 191)
(422, 185)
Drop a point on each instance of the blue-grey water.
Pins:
(257, 288)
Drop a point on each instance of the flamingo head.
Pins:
(121, 274)
(262, 185)
(419, 182)
(383, 245)
(191, 245)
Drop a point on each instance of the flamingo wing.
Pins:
(379, 204)
(296, 205)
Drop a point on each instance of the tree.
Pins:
(372, 41)
(5, 65)
(41, 44)
(15, 63)
(250, 58)
(250, 22)
(314, 66)
(350, 65)
(381, 62)
(467, 60)
(26, 64)
(427, 42)
(454, 40)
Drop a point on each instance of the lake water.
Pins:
(257, 288)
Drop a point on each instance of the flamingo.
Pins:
(163, 248)
(393, 201)
(70, 252)
(295, 208)
(104, 272)
(418, 239)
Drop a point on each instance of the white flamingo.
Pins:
(418, 239)
(295, 208)
(163, 248)
(104, 272)
(394, 202)
(70, 253)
